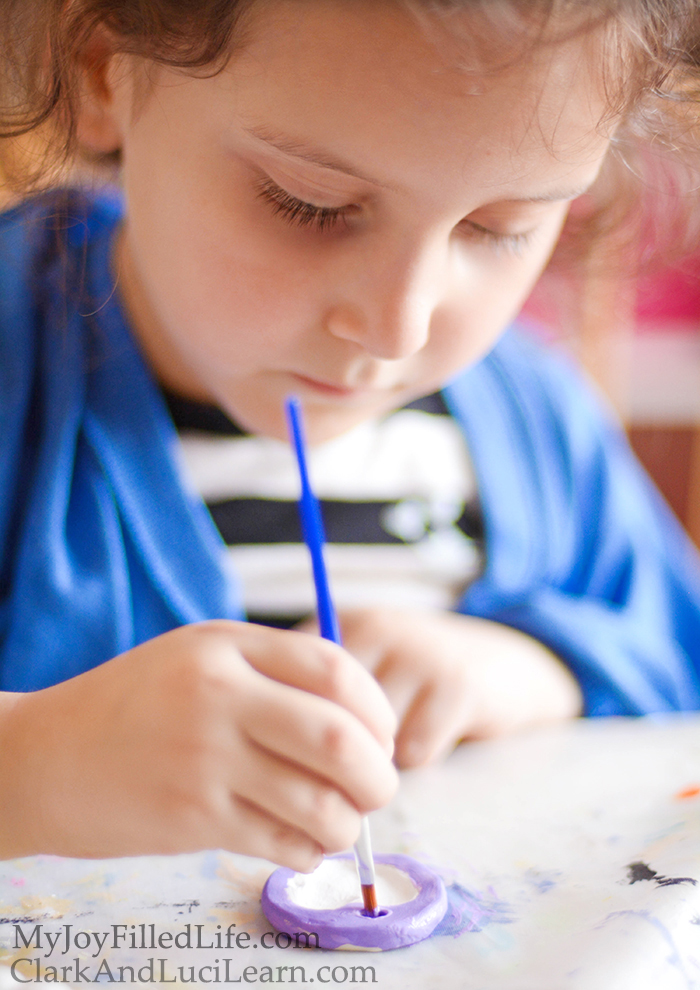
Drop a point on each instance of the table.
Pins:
(572, 854)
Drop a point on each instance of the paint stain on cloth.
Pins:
(471, 911)
(688, 792)
(642, 871)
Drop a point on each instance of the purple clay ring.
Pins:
(327, 904)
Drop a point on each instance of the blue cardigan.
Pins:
(101, 547)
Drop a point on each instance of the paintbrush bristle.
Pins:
(369, 898)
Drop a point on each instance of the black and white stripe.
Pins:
(399, 504)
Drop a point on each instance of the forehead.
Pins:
(367, 63)
(338, 70)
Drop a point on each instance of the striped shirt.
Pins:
(398, 497)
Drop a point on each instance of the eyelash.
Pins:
(512, 243)
(299, 213)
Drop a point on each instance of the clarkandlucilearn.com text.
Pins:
(225, 970)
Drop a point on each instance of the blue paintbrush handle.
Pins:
(314, 537)
(312, 526)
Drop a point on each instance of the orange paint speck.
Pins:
(688, 792)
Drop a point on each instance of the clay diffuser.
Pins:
(328, 903)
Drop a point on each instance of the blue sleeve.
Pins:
(101, 546)
(18, 358)
(581, 551)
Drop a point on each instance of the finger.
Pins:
(433, 726)
(255, 832)
(400, 686)
(322, 738)
(308, 803)
(320, 667)
(308, 626)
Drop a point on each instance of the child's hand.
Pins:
(451, 677)
(219, 735)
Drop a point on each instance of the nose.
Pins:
(388, 307)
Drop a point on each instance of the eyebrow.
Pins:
(316, 156)
(557, 195)
(307, 153)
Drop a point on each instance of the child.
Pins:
(348, 200)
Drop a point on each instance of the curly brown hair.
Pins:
(45, 43)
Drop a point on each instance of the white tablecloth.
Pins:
(570, 854)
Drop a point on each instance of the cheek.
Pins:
(212, 264)
(214, 279)
(482, 307)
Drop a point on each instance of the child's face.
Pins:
(436, 198)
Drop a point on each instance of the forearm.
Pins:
(18, 811)
(626, 659)
(521, 681)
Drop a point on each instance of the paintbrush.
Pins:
(312, 527)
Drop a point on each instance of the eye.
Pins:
(299, 213)
(515, 244)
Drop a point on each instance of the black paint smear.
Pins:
(181, 904)
(641, 871)
(27, 921)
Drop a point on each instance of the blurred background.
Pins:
(638, 337)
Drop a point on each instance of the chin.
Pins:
(324, 420)
(321, 429)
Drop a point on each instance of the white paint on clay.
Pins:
(335, 884)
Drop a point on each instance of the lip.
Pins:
(331, 390)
